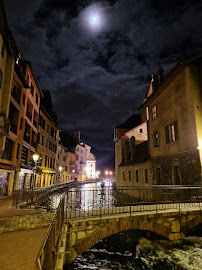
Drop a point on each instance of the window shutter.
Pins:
(167, 134)
(176, 130)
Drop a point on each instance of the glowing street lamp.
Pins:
(60, 169)
(106, 172)
(35, 158)
(73, 171)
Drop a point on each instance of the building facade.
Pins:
(172, 111)
(48, 138)
(8, 56)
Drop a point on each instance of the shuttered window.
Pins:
(171, 132)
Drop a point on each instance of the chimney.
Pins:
(160, 75)
(132, 145)
(77, 136)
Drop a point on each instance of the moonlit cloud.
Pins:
(97, 58)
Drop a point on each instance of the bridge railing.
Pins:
(26, 197)
(109, 200)
(46, 257)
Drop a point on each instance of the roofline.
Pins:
(34, 76)
(50, 118)
(178, 68)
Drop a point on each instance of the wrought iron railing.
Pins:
(26, 197)
(46, 257)
(85, 203)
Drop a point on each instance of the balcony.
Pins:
(27, 138)
(13, 127)
(28, 114)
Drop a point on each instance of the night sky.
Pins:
(99, 68)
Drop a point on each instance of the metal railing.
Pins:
(85, 203)
(27, 197)
(46, 258)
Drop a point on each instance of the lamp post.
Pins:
(35, 158)
(60, 169)
(73, 171)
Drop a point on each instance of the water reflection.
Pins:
(91, 196)
(84, 197)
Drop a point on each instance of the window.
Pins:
(52, 132)
(58, 156)
(124, 176)
(28, 79)
(21, 123)
(45, 161)
(129, 176)
(158, 176)
(66, 168)
(38, 137)
(37, 98)
(42, 140)
(32, 89)
(176, 175)
(1, 78)
(18, 149)
(146, 176)
(23, 99)
(47, 128)
(46, 143)
(156, 139)
(154, 112)
(42, 123)
(2, 49)
(171, 132)
(141, 130)
(137, 175)
(147, 113)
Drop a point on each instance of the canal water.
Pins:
(133, 249)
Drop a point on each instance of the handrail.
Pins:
(46, 256)
(110, 200)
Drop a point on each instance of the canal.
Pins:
(133, 249)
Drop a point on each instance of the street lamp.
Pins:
(60, 169)
(35, 158)
(73, 171)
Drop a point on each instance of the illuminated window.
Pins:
(171, 132)
(147, 113)
(154, 112)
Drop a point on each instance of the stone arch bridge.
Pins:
(173, 225)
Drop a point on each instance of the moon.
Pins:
(94, 20)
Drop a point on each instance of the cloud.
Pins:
(98, 78)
